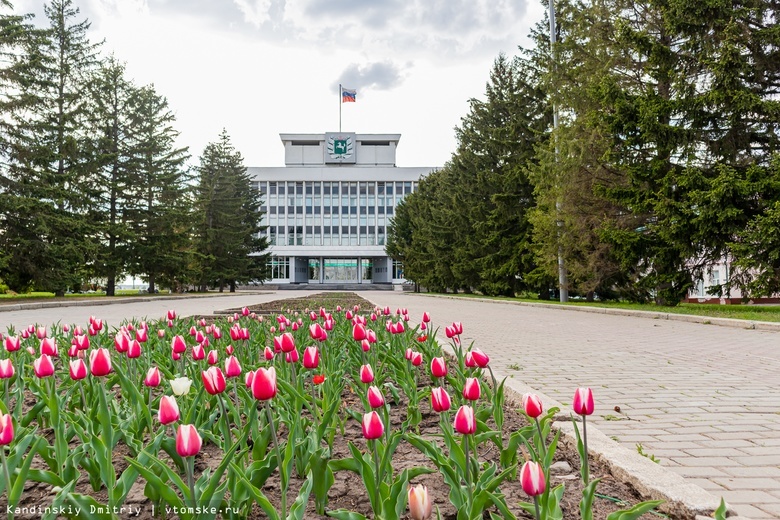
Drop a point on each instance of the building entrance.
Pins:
(340, 270)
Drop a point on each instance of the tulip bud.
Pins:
(268, 353)
(359, 332)
(6, 430)
(212, 358)
(178, 344)
(142, 335)
(152, 378)
(292, 356)
(49, 347)
(375, 397)
(426, 318)
(288, 343)
(41, 332)
(100, 362)
(6, 369)
(438, 367)
(311, 358)
(160, 333)
(214, 380)
(171, 314)
(318, 379)
(198, 353)
(232, 367)
(78, 369)
(188, 441)
(134, 351)
(248, 378)
(532, 478)
(420, 506)
(366, 374)
(181, 385)
(480, 358)
(440, 400)
(365, 345)
(372, 426)
(465, 422)
(532, 405)
(12, 343)
(169, 410)
(417, 359)
(471, 389)
(264, 384)
(583, 401)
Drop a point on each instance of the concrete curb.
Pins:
(105, 300)
(655, 315)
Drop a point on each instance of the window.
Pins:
(398, 270)
(280, 267)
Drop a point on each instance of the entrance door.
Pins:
(314, 270)
(340, 270)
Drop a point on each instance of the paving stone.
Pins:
(748, 483)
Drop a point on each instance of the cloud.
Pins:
(383, 75)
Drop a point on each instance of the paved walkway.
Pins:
(703, 399)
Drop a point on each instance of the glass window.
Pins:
(272, 188)
(281, 188)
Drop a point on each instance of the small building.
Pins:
(328, 208)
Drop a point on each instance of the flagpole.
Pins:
(341, 93)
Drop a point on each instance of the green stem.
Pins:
(5, 396)
(468, 470)
(7, 481)
(191, 481)
(278, 459)
(585, 445)
(378, 483)
(225, 424)
(83, 397)
(541, 439)
(536, 506)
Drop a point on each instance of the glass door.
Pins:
(340, 270)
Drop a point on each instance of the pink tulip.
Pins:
(134, 351)
(49, 347)
(408, 354)
(328, 324)
(121, 342)
(288, 343)
(232, 367)
(212, 358)
(440, 400)
(188, 441)
(152, 378)
(292, 356)
(78, 369)
(375, 397)
(366, 374)
(311, 358)
(417, 359)
(171, 314)
(175, 356)
(178, 344)
(43, 366)
(268, 353)
(12, 343)
(532, 405)
(169, 410)
(193, 331)
(198, 353)
(469, 360)
(199, 337)
(248, 378)
(6, 430)
(426, 318)
(216, 332)
(142, 335)
(365, 345)
(41, 332)
(348, 315)
(532, 478)
(465, 422)
(359, 332)
(583, 401)
(65, 328)
(264, 384)
(420, 505)
(100, 362)
(372, 426)
(214, 380)
(438, 367)
(81, 342)
(373, 316)
(244, 311)
(6, 369)
(480, 358)
(471, 389)
(160, 333)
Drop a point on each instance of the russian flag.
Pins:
(348, 96)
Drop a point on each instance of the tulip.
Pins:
(78, 369)
(181, 385)
(408, 354)
(288, 343)
(216, 332)
(232, 367)
(328, 324)
(469, 360)
(171, 314)
(532, 478)
(371, 336)
(359, 332)
(264, 384)
(438, 367)
(81, 341)
(41, 332)
(372, 426)
(142, 335)
(420, 505)
(311, 357)
(134, 351)
(160, 333)
(188, 441)
(198, 353)
(43, 366)
(178, 344)
(480, 358)
(214, 380)
(199, 337)
(440, 399)
(366, 374)
(193, 331)
(532, 405)
(121, 342)
(248, 378)
(73, 351)
(417, 359)
(348, 315)
(244, 311)
(318, 379)
(169, 410)
(292, 356)
(426, 318)
(65, 328)
(373, 316)
(49, 347)
(465, 422)
(375, 397)
(471, 389)
(175, 356)
(583, 401)
(213, 357)
(6, 369)
(12, 343)
(268, 353)
(6, 433)
(365, 345)
(100, 362)
(152, 378)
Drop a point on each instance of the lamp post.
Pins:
(563, 281)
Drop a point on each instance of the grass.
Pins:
(738, 312)
(35, 295)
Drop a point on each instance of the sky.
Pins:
(258, 68)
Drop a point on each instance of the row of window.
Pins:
(332, 269)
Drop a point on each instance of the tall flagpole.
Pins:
(341, 93)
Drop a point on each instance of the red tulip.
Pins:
(6, 369)
(152, 378)
(532, 478)
(458, 327)
(311, 357)
(318, 379)
(532, 405)
(49, 347)
(214, 380)
(366, 374)
(417, 359)
(386, 311)
(142, 335)
(264, 384)
(6, 430)
(12, 343)
(213, 357)
(78, 369)
(188, 441)
(169, 410)
(268, 353)
(175, 356)
(469, 360)
(43, 366)
(81, 341)
(440, 399)
(471, 389)
(216, 332)
(438, 367)
(372, 426)
(348, 315)
(232, 367)
(465, 422)
(480, 358)
(235, 333)
(583, 401)
(373, 316)
(426, 317)
(244, 311)
(121, 342)
(134, 351)
(198, 353)
(316, 331)
(288, 343)
(178, 344)
(100, 362)
(420, 505)
(359, 332)
(193, 331)
(375, 397)
(199, 337)
(313, 316)
(171, 314)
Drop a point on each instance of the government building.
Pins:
(328, 208)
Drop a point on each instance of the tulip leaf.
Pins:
(586, 503)
(130, 474)
(636, 511)
(45, 477)
(90, 509)
(343, 514)
(213, 480)
(33, 413)
(21, 478)
(323, 479)
(255, 492)
(165, 491)
(720, 513)
(298, 508)
(135, 397)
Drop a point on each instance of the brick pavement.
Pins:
(703, 399)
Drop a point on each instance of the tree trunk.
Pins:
(233, 286)
(151, 288)
(111, 284)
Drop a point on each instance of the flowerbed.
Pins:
(191, 420)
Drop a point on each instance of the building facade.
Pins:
(328, 208)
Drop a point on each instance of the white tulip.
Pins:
(181, 385)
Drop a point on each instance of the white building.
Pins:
(328, 208)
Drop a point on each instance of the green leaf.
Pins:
(720, 513)
(163, 488)
(255, 492)
(21, 478)
(298, 508)
(586, 503)
(343, 514)
(90, 508)
(636, 511)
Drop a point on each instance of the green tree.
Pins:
(229, 242)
